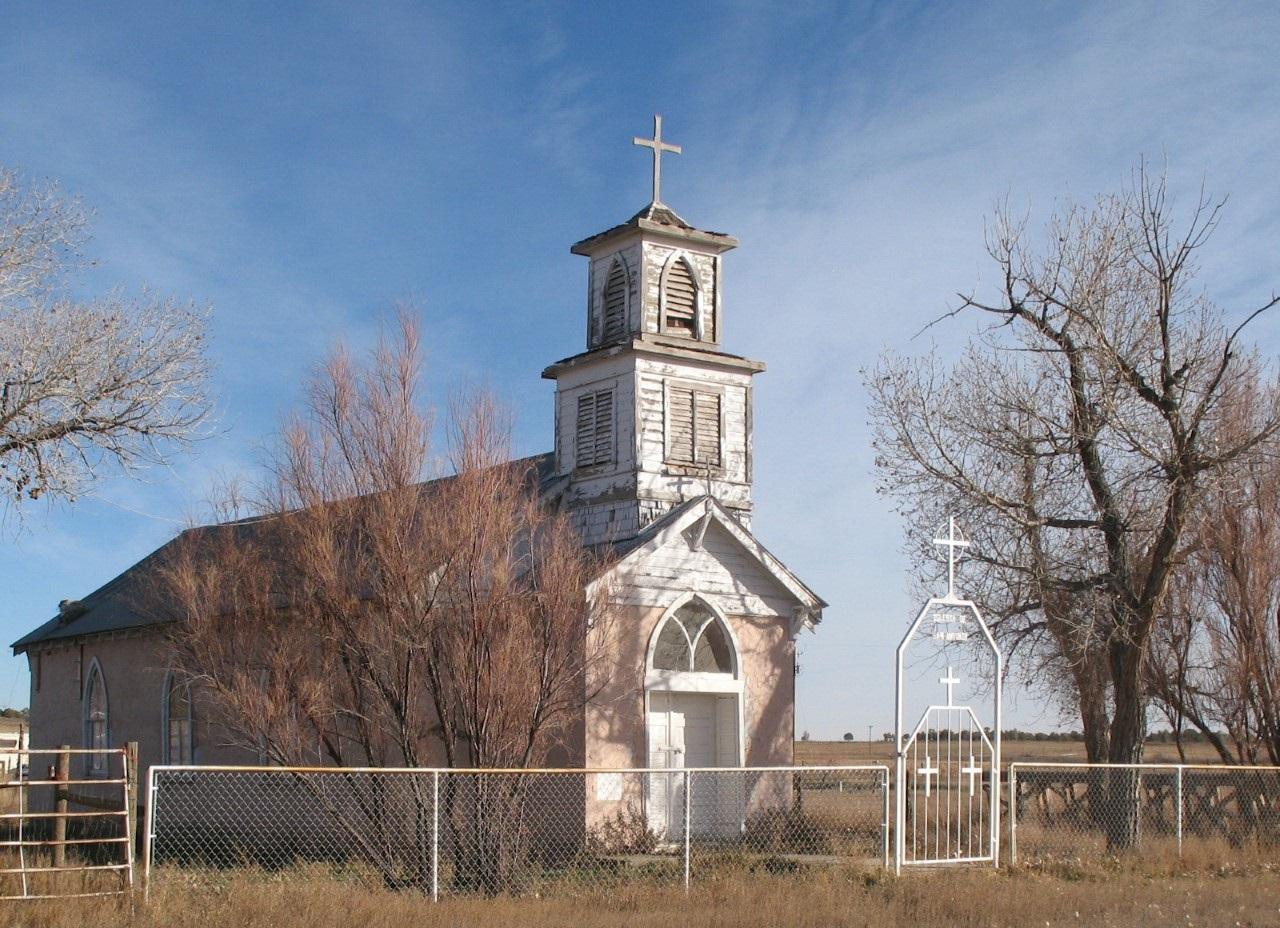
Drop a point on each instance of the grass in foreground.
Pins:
(1105, 893)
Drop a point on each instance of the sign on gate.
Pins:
(948, 764)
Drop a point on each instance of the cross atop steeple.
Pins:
(951, 543)
(658, 147)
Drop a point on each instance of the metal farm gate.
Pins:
(66, 828)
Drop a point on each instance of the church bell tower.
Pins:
(653, 413)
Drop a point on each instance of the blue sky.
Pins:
(301, 167)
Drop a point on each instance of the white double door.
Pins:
(693, 730)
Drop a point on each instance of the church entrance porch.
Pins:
(693, 730)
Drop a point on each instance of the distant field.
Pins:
(881, 752)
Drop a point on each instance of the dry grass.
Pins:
(1146, 893)
(815, 753)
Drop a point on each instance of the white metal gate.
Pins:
(948, 765)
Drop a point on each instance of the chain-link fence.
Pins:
(513, 832)
(1073, 811)
(544, 832)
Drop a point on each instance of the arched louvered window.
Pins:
(615, 303)
(96, 733)
(693, 639)
(680, 300)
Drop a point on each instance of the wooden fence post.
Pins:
(61, 772)
(131, 786)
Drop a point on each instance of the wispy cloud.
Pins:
(859, 234)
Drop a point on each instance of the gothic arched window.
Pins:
(680, 300)
(179, 745)
(693, 639)
(96, 733)
(615, 303)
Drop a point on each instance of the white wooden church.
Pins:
(652, 454)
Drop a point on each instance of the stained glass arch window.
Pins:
(693, 638)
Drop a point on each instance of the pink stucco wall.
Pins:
(615, 720)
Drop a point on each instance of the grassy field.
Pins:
(1191, 893)
(1067, 752)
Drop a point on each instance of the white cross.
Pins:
(973, 771)
(951, 542)
(928, 772)
(950, 681)
(658, 147)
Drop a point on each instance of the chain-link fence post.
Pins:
(1138, 830)
(1177, 798)
(884, 815)
(148, 833)
(435, 836)
(1013, 814)
(688, 779)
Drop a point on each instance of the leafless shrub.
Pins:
(627, 831)
(365, 617)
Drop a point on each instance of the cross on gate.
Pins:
(658, 147)
(928, 772)
(951, 542)
(950, 681)
(973, 771)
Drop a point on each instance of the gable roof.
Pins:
(687, 515)
(113, 607)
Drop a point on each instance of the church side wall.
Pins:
(134, 670)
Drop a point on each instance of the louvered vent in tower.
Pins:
(593, 443)
(615, 303)
(693, 427)
(680, 300)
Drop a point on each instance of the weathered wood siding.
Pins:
(720, 571)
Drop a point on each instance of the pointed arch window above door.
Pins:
(693, 639)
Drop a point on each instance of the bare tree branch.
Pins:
(113, 382)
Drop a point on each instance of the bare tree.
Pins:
(83, 385)
(365, 617)
(1079, 432)
(1216, 662)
